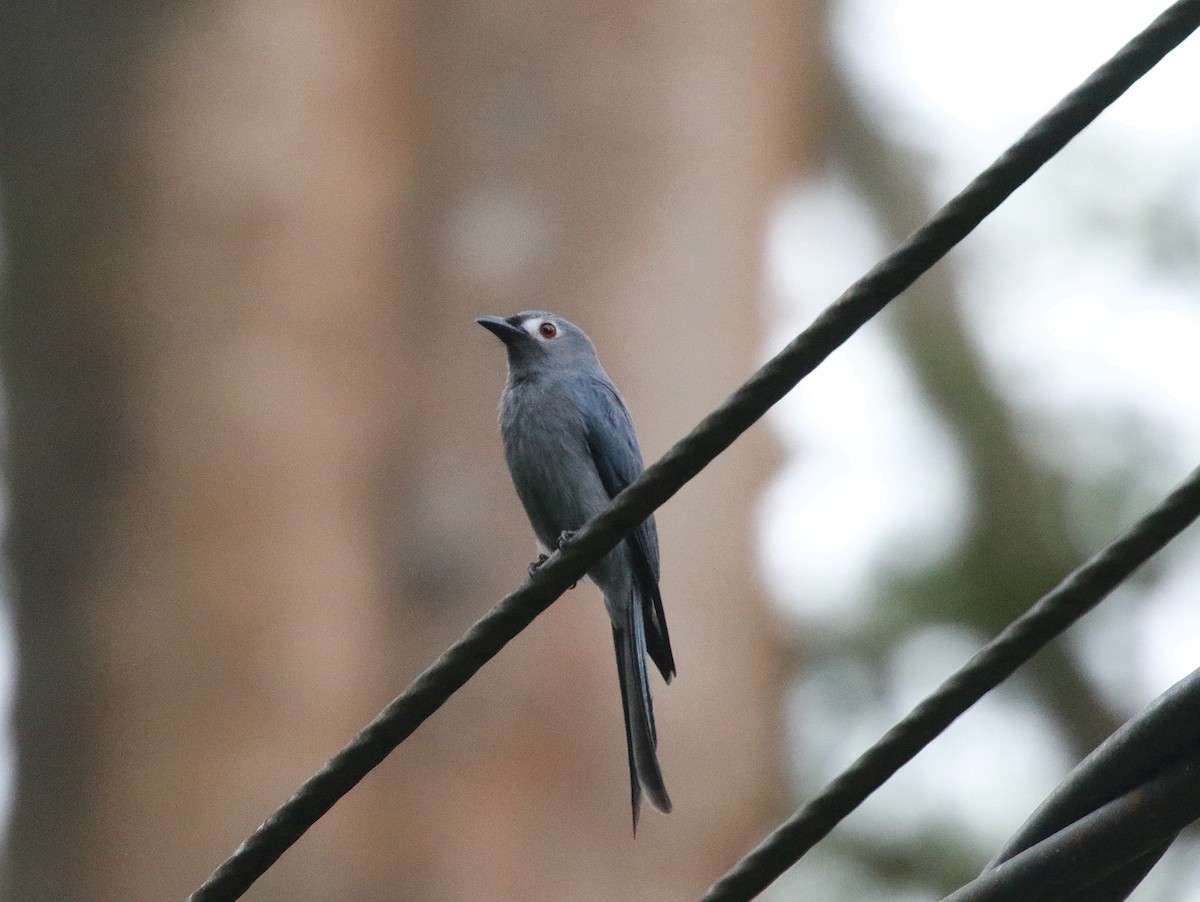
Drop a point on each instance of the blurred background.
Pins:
(254, 477)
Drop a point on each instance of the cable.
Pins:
(794, 837)
(1137, 753)
(1143, 747)
(1082, 590)
(1079, 857)
(1068, 601)
(714, 434)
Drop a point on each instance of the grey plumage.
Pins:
(570, 447)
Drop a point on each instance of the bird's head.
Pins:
(539, 340)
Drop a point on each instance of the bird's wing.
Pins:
(614, 449)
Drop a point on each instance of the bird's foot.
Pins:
(564, 537)
(533, 568)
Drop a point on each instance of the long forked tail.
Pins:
(640, 737)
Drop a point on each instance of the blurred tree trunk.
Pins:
(200, 350)
(256, 479)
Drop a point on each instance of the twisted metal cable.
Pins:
(1139, 750)
(1082, 590)
(792, 839)
(1073, 597)
(1133, 757)
(714, 434)
(1080, 857)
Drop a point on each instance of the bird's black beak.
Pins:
(501, 328)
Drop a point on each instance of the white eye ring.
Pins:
(541, 329)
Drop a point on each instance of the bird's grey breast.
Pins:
(545, 444)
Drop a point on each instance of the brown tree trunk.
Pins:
(256, 478)
(200, 349)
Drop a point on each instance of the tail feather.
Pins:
(635, 787)
(638, 626)
(654, 621)
(645, 774)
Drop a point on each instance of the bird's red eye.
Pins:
(547, 330)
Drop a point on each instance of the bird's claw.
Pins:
(533, 568)
(564, 537)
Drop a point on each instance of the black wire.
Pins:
(1140, 749)
(1085, 852)
(1017, 643)
(714, 434)
(787, 843)
(391, 726)
(1137, 753)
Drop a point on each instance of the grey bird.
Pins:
(570, 447)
